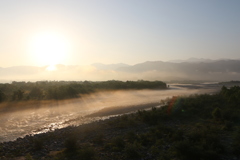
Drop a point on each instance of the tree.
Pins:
(2, 96)
(18, 95)
(36, 93)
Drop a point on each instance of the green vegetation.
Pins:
(199, 127)
(43, 90)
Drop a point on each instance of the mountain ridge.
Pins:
(220, 70)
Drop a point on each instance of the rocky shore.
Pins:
(46, 145)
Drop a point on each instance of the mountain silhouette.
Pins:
(206, 70)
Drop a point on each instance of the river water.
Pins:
(48, 117)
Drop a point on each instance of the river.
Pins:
(44, 118)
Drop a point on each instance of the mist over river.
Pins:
(58, 114)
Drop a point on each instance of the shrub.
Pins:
(236, 142)
(187, 150)
(151, 117)
(217, 115)
(132, 151)
(118, 144)
(38, 144)
(87, 153)
(28, 157)
(71, 144)
(177, 136)
(125, 121)
(131, 136)
(144, 139)
(154, 150)
(228, 126)
(98, 139)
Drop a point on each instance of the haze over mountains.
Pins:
(191, 69)
(192, 60)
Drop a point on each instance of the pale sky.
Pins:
(80, 32)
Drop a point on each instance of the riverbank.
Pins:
(196, 127)
(51, 144)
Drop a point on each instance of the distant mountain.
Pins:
(193, 69)
(20, 70)
(192, 60)
(109, 66)
(213, 70)
(186, 67)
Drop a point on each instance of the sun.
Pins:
(49, 48)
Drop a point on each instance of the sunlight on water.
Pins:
(37, 120)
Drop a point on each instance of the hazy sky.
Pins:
(82, 32)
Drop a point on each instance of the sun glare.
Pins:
(51, 68)
(49, 48)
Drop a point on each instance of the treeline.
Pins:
(43, 90)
